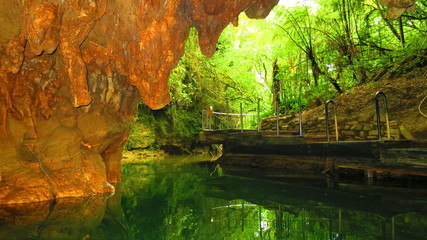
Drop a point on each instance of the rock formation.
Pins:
(395, 8)
(71, 75)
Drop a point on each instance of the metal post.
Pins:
(336, 123)
(277, 117)
(211, 119)
(203, 119)
(377, 110)
(259, 115)
(327, 119)
(241, 117)
(228, 125)
(300, 115)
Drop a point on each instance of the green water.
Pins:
(180, 199)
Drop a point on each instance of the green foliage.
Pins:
(351, 43)
(184, 201)
(223, 82)
(141, 137)
(321, 49)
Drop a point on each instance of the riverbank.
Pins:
(356, 115)
(358, 133)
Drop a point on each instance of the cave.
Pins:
(72, 74)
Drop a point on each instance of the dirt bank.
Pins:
(404, 97)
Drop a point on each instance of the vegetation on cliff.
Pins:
(310, 52)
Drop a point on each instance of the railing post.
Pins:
(277, 117)
(228, 116)
(211, 119)
(377, 111)
(327, 119)
(300, 115)
(259, 115)
(241, 117)
(203, 120)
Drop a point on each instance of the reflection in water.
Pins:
(66, 219)
(173, 200)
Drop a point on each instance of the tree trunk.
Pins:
(402, 33)
(276, 86)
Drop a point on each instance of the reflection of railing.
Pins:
(327, 119)
(377, 111)
(224, 121)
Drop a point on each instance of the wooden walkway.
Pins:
(401, 157)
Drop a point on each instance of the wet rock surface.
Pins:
(76, 218)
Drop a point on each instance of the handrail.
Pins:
(233, 114)
(213, 120)
(327, 119)
(377, 111)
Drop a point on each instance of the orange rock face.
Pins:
(71, 76)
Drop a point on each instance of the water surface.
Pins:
(180, 198)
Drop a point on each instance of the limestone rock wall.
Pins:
(71, 75)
